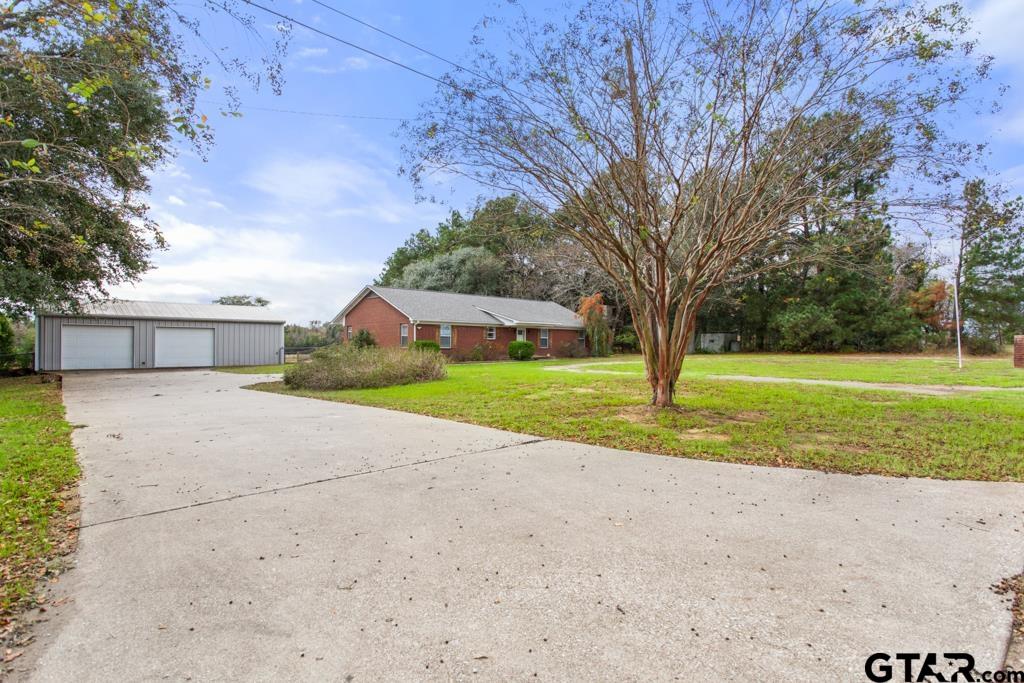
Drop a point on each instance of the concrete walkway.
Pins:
(238, 535)
(920, 389)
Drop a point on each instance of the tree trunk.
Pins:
(664, 392)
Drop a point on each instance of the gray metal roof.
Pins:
(161, 310)
(427, 306)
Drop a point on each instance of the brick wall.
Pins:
(1018, 351)
(379, 317)
(465, 337)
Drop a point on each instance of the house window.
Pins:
(403, 335)
(544, 341)
(582, 337)
(446, 336)
(491, 334)
(348, 333)
(520, 334)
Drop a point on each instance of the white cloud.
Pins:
(267, 263)
(271, 242)
(999, 25)
(348, 64)
(342, 187)
(307, 52)
(183, 236)
(175, 200)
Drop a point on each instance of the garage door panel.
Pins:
(184, 347)
(96, 347)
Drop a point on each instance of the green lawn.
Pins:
(37, 463)
(988, 372)
(975, 436)
(255, 369)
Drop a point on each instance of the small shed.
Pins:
(719, 342)
(149, 334)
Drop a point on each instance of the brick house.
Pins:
(464, 325)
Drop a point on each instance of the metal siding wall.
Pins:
(234, 343)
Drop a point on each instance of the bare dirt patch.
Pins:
(702, 435)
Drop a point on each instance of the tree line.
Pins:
(850, 284)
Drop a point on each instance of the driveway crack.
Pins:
(314, 482)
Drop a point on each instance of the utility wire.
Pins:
(232, 107)
(400, 39)
(422, 49)
(350, 44)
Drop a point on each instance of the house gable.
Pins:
(376, 315)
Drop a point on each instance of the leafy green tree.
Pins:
(989, 267)
(92, 98)
(6, 343)
(422, 245)
(241, 300)
(467, 270)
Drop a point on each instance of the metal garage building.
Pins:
(147, 334)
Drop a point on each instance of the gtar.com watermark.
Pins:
(918, 667)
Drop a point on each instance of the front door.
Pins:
(520, 334)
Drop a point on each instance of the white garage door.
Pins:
(184, 347)
(93, 347)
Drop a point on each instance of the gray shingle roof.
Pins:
(160, 310)
(426, 306)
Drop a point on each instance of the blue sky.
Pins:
(304, 209)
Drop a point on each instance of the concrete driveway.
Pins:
(233, 534)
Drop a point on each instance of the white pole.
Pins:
(956, 310)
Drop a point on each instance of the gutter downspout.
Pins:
(413, 323)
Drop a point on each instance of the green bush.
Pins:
(6, 343)
(426, 345)
(980, 344)
(348, 367)
(363, 339)
(573, 350)
(806, 327)
(627, 341)
(520, 350)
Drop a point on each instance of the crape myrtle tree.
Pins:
(672, 141)
(93, 98)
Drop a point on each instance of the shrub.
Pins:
(627, 341)
(479, 352)
(6, 343)
(573, 350)
(807, 327)
(520, 350)
(426, 345)
(981, 344)
(349, 367)
(363, 339)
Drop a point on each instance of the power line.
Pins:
(400, 39)
(349, 43)
(423, 50)
(307, 113)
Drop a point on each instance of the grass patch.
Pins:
(894, 368)
(977, 436)
(255, 369)
(37, 465)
